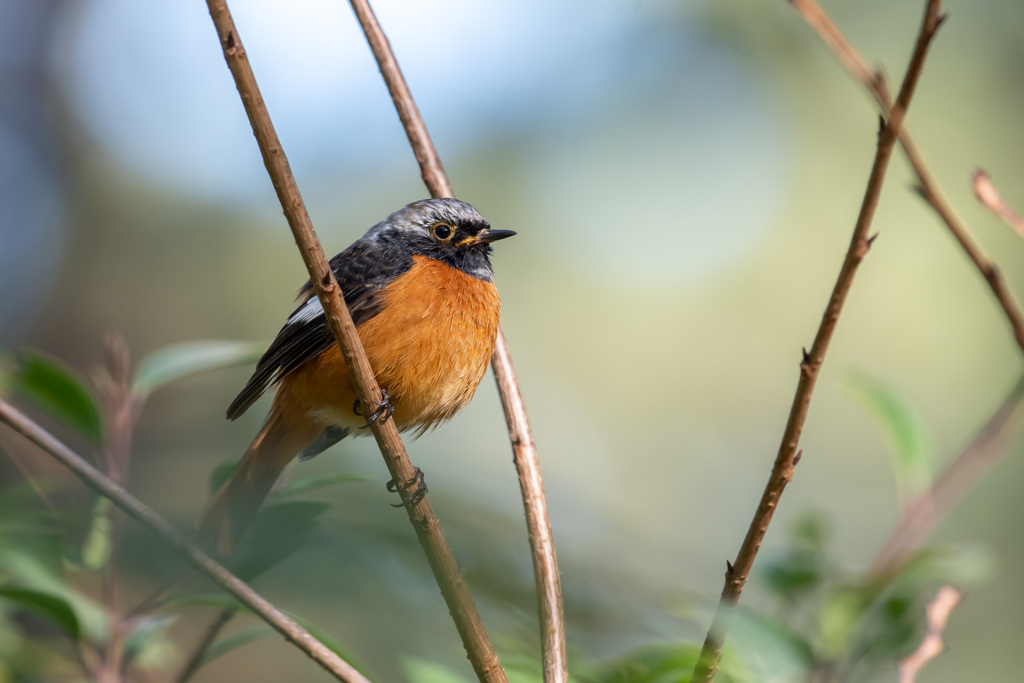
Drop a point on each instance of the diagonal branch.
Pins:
(545, 564)
(812, 12)
(936, 615)
(317, 651)
(428, 528)
(782, 471)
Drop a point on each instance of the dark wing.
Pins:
(362, 271)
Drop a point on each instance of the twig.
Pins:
(96, 480)
(926, 186)
(937, 614)
(978, 458)
(428, 529)
(782, 471)
(542, 547)
(113, 382)
(990, 198)
(212, 631)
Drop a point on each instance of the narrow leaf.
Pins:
(317, 481)
(905, 432)
(279, 530)
(145, 633)
(174, 362)
(58, 391)
(98, 543)
(220, 474)
(236, 641)
(53, 607)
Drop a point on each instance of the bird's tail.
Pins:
(232, 509)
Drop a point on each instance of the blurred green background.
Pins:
(683, 177)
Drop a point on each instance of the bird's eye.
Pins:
(442, 231)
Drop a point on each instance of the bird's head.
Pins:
(448, 230)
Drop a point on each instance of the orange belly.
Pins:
(429, 347)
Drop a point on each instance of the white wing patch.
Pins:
(312, 309)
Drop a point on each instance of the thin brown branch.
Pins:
(937, 614)
(926, 186)
(113, 382)
(542, 547)
(428, 528)
(986, 193)
(542, 542)
(978, 458)
(103, 485)
(782, 471)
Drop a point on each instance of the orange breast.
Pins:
(429, 347)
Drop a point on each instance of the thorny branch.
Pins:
(782, 471)
(812, 12)
(428, 529)
(99, 482)
(545, 564)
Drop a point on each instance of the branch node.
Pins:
(796, 458)
(871, 240)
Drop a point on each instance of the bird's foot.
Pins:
(381, 412)
(419, 489)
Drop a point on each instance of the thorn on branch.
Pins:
(230, 41)
(921, 191)
(796, 458)
(881, 124)
(871, 240)
(729, 570)
(941, 20)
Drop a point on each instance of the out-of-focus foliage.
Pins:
(683, 177)
(57, 571)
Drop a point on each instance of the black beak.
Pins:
(488, 236)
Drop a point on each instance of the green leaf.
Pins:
(905, 432)
(174, 362)
(53, 607)
(236, 641)
(426, 671)
(58, 391)
(98, 544)
(220, 474)
(668, 663)
(145, 634)
(316, 481)
(966, 566)
(211, 600)
(227, 601)
(804, 565)
(839, 619)
(278, 531)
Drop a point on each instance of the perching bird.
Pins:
(419, 288)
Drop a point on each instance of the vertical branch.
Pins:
(545, 563)
(782, 471)
(103, 485)
(421, 515)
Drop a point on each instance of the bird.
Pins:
(420, 288)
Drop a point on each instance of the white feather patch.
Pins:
(312, 309)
